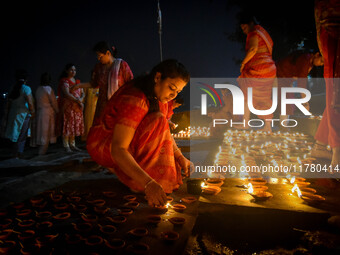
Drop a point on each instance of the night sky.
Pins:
(44, 37)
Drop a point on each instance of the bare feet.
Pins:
(320, 151)
(75, 148)
(68, 150)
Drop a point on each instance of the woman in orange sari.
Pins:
(132, 136)
(327, 16)
(258, 69)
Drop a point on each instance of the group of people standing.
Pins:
(50, 116)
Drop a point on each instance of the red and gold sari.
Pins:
(327, 18)
(151, 146)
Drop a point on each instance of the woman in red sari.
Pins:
(258, 69)
(108, 75)
(132, 136)
(327, 16)
(70, 102)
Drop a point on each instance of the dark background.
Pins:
(203, 34)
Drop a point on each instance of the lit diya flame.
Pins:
(298, 191)
(250, 188)
(168, 205)
(292, 180)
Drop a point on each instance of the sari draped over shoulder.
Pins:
(151, 146)
(259, 72)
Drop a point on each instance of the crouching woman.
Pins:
(132, 138)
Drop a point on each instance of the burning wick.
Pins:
(168, 205)
(297, 190)
(203, 185)
(250, 188)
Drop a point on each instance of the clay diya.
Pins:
(5, 223)
(74, 199)
(261, 195)
(97, 202)
(169, 235)
(56, 197)
(115, 243)
(18, 206)
(211, 190)
(73, 239)
(62, 206)
(260, 188)
(312, 198)
(138, 232)
(178, 221)
(258, 181)
(131, 204)
(83, 227)
(7, 246)
(40, 205)
(117, 219)
(125, 211)
(62, 216)
(179, 207)
(302, 184)
(43, 215)
(130, 197)
(309, 190)
(154, 219)
(79, 208)
(169, 199)
(5, 233)
(109, 194)
(138, 248)
(94, 240)
(46, 239)
(26, 223)
(107, 229)
(44, 225)
(23, 212)
(36, 200)
(214, 182)
(26, 235)
(89, 217)
(101, 209)
(189, 200)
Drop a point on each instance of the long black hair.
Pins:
(103, 47)
(169, 68)
(64, 72)
(45, 79)
(21, 78)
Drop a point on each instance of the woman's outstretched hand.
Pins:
(186, 165)
(155, 194)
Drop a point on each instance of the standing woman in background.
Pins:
(47, 108)
(258, 69)
(108, 75)
(71, 107)
(20, 111)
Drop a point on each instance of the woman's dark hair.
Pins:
(169, 68)
(20, 77)
(64, 72)
(45, 79)
(104, 46)
(247, 17)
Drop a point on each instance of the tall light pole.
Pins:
(159, 21)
